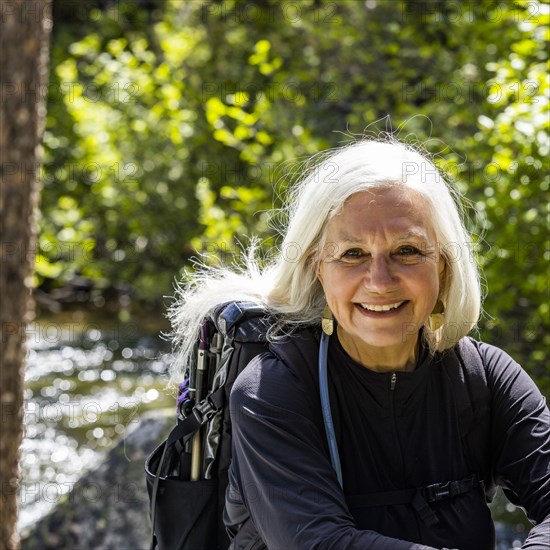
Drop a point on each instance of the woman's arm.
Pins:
(521, 441)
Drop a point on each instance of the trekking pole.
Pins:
(212, 365)
(196, 449)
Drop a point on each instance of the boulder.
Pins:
(108, 508)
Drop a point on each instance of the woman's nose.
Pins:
(380, 277)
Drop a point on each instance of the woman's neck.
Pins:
(381, 359)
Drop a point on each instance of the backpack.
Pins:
(188, 515)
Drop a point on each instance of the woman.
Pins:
(376, 247)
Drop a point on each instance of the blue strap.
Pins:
(325, 406)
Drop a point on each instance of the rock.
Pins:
(108, 507)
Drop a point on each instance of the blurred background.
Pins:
(174, 128)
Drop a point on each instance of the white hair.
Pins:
(288, 286)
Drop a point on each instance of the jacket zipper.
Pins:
(393, 381)
(393, 384)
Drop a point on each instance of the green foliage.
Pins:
(173, 134)
(515, 198)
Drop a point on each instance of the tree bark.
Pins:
(24, 30)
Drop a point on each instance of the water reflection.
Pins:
(87, 380)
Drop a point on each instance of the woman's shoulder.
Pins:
(491, 355)
(494, 359)
(299, 348)
(294, 353)
(504, 375)
(287, 369)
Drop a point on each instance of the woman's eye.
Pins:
(353, 253)
(408, 250)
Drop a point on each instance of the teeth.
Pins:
(381, 308)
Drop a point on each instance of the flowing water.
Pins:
(88, 378)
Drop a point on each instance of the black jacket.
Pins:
(391, 436)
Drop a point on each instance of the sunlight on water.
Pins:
(85, 384)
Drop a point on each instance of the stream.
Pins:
(88, 379)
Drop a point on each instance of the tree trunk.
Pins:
(25, 29)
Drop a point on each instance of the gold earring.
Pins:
(327, 321)
(437, 317)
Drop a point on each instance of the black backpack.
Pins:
(187, 515)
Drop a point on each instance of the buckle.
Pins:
(204, 411)
(437, 491)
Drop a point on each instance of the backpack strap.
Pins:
(201, 413)
(466, 371)
(419, 497)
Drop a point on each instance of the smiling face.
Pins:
(381, 274)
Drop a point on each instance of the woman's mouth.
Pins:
(381, 309)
